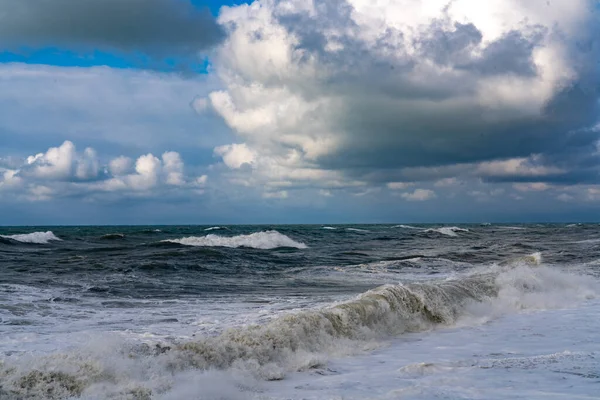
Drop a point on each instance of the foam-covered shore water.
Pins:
(298, 341)
(415, 311)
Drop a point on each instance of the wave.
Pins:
(151, 231)
(259, 240)
(300, 340)
(329, 228)
(357, 230)
(533, 259)
(405, 227)
(447, 230)
(113, 236)
(513, 228)
(216, 228)
(35, 237)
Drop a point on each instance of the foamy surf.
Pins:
(34, 238)
(259, 240)
(357, 230)
(405, 227)
(447, 230)
(292, 342)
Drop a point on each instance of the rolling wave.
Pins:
(300, 340)
(357, 230)
(258, 240)
(405, 227)
(113, 236)
(447, 230)
(35, 237)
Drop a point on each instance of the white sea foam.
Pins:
(512, 228)
(258, 240)
(447, 230)
(215, 228)
(329, 228)
(240, 360)
(35, 237)
(357, 230)
(405, 227)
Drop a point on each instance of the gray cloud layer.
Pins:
(378, 90)
(153, 27)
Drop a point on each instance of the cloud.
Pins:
(399, 185)
(276, 195)
(235, 155)
(114, 110)
(529, 187)
(158, 28)
(419, 195)
(373, 93)
(63, 171)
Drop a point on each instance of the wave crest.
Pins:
(258, 240)
(405, 227)
(447, 230)
(304, 339)
(35, 237)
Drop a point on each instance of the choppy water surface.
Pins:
(294, 312)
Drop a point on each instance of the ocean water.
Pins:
(300, 312)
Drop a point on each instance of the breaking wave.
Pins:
(329, 228)
(296, 341)
(35, 237)
(216, 228)
(357, 230)
(259, 240)
(405, 227)
(447, 230)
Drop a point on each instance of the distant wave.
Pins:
(35, 237)
(514, 228)
(357, 230)
(216, 228)
(447, 230)
(113, 236)
(329, 228)
(259, 240)
(597, 240)
(405, 227)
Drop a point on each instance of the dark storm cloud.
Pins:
(391, 120)
(158, 28)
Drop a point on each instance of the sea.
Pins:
(485, 311)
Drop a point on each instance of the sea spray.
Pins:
(34, 238)
(258, 240)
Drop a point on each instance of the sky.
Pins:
(299, 111)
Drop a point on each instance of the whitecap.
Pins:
(35, 237)
(258, 240)
(215, 228)
(405, 227)
(357, 230)
(447, 230)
